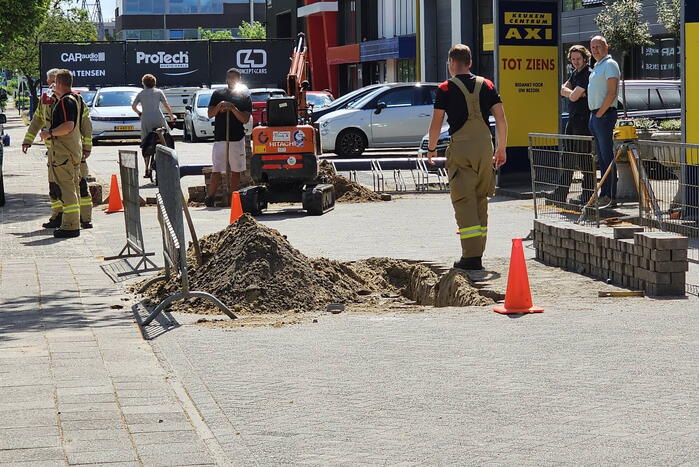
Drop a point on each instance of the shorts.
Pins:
(236, 156)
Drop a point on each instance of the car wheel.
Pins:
(350, 143)
(193, 135)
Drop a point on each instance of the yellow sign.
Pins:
(488, 37)
(527, 18)
(528, 85)
(691, 62)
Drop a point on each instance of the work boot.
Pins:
(209, 201)
(85, 225)
(54, 222)
(469, 264)
(60, 233)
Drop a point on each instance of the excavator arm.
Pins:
(297, 79)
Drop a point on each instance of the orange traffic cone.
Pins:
(518, 298)
(236, 207)
(115, 204)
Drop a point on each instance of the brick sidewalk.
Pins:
(78, 384)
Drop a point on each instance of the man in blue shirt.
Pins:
(602, 100)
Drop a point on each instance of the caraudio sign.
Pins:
(91, 64)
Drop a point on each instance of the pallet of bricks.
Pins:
(655, 262)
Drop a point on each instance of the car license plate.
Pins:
(123, 128)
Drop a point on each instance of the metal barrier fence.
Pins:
(134, 248)
(672, 169)
(564, 175)
(172, 227)
(662, 193)
(397, 175)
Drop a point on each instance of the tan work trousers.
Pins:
(65, 170)
(471, 174)
(84, 191)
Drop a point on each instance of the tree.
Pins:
(620, 22)
(670, 16)
(209, 34)
(254, 30)
(22, 54)
(19, 18)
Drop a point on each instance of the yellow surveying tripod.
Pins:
(626, 133)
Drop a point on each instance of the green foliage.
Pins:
(22, 102)
(19, 18)
(644, 123)
(256, 30)
(670, 16)
(22, 54)
(674, 124)
(209, 34)
(620, 22)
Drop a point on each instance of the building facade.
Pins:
(660, 60)
(181, 19)
(444, 23)
(282, 18)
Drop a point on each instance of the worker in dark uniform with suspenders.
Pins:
(468, 100)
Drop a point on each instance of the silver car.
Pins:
(393, 115)
(112, 116)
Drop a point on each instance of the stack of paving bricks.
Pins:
(655, 262)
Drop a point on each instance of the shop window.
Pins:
(176, 34)
(406, 70)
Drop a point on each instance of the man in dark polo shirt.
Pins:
(231, 107)
(468, 100)
(576, 154)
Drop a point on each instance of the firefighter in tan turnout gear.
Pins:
(65, 153)
(468, 100)
(42, 119)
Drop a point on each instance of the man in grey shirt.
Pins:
(602, 100)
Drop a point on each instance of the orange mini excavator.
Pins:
(285, 150)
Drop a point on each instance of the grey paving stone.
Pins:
(101, 457)
(164, 437)
(26, 442)
(168, 458)
(83, 433)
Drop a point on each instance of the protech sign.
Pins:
(171, 62)
(91, 64)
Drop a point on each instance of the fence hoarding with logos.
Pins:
(261, 63)
(173, 63)
(92, 64)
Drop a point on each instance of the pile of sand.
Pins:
(253, 269)
(346, 190)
